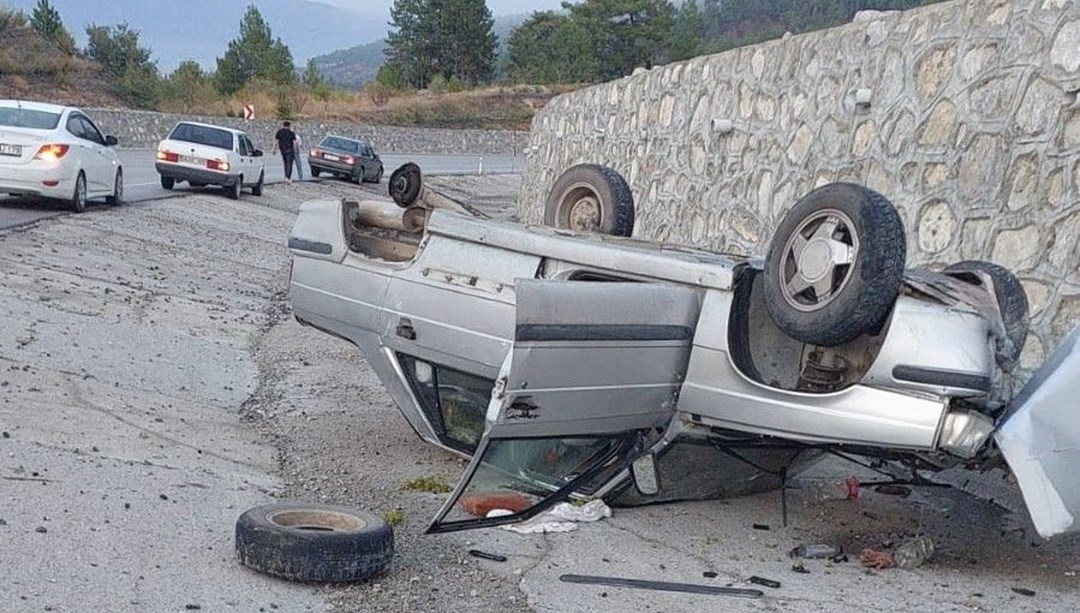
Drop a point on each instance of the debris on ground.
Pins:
(483, 555)
(799, 568)
(1023, 591)
(663, 586)
(481, 505)
(761, 527)
(815, 550)
(914, 553)
(872, 558)
(893, 489)
(564, 517)
(853, 485)
(756, 580)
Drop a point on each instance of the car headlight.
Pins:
(963, 433)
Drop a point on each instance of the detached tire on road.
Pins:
(835, 265)
(591, 198)
(405, 184)
(1011, 299)
(312, 542)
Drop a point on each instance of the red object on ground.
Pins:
(871, 558)
(852, 484)
(480, 504)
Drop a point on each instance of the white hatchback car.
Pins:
(204, 154)
(56, 151)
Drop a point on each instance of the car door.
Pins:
(90, 144)
(254, 162)
(592, 377)
(106, 159)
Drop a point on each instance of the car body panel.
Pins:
(88, 153)
(1039, 436)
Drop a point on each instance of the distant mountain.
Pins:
(357, 65)
(200, 29)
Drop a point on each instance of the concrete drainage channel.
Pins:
(153, 387)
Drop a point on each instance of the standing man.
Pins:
(285, 141)
(299, 163)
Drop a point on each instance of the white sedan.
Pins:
(56, 151)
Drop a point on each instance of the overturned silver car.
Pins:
(567, 361)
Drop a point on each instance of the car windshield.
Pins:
(202, 135)
(25, 118)
(341, 144)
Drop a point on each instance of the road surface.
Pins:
(142, 182)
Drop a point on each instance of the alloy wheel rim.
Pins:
(818, 260)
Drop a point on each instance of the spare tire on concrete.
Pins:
(313, 542)
(591, 198)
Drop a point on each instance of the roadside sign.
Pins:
(249, 112)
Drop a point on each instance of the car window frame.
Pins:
(95, 132)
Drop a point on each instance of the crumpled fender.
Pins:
(1039, 436)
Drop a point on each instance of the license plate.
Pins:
(188, 159)
(15, 150)
(331, 157)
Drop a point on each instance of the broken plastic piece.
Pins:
(664, 586)
(761, 527)
(852, 484)
(914, 553)
(494, 557)
(799, 568)
(756, 580)
(815, 550)
(871, 558)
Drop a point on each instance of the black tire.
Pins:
(378, 175)
(117, 197)
(78, 197)
(357, 176)
(405, 184)
(311, 542)
(812, 297)
(167, 182)
(315, 172)
(1011, 299)
(257, 189)
(233, 191)
(591, 198)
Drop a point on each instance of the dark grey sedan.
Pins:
(349, 158)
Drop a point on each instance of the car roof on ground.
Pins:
(209, 125)
(37, 106)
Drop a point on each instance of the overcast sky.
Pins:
(498, 7)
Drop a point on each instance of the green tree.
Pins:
(688, 33)
(551, 48)
(256, 54)
(134, 76)
(188, 87)
(448, 38)
(625, 34)
(46, 21)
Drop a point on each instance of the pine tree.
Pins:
(256, 54)
(551, 48)
(626, 34)
(46, 21)
(451, 39)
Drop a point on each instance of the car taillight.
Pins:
(168, 156)
(314, 153)
(217, 165)
(51, 153)
(348, 159)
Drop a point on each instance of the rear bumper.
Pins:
(195, 175)
(28, 180)
(328, 166)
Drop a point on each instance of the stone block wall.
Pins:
(973, 131)
(143, 129)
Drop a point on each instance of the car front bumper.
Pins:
(195, 175)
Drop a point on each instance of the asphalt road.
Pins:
(142, 182)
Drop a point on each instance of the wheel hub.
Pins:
(815, 261)
(585, 214)
(818, 260)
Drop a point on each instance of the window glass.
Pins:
(15, 117)
(341, 144)
(516, 475)
(75, 126)
(455, 402)
(91, 131)
(242, 146)
(202, 135)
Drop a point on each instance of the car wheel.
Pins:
(835, 265)
(315, 172)
(78, 198)
(1011, 299)
(405, 184)
(378, 176)
(357, 175)
(591, 198)
(321, 543)
(117, 196)
(234, 190)
(257, 189)
(167, 182)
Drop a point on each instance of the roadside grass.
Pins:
(10, 18)
(435, 485)
(395, 517)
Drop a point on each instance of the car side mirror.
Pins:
(646, 479)
(110, 141)
(257, 153)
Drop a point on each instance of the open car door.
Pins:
(594, 371)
